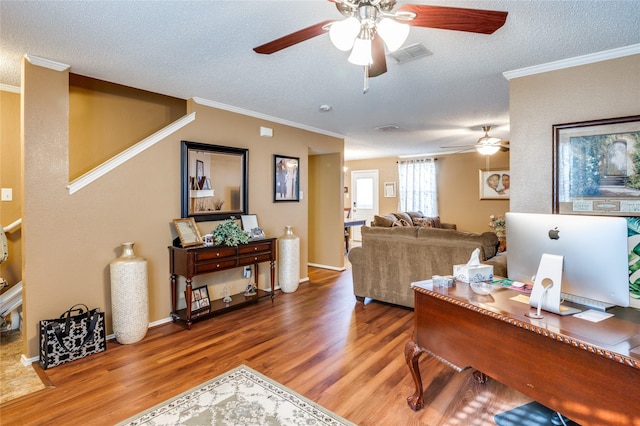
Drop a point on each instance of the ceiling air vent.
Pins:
(409, 53)
(387, 128)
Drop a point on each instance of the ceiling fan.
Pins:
(486, 145)
(371, 24)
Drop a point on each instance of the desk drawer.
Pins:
(255, 248)
(250, 260)
(201, 268)
(214, 253)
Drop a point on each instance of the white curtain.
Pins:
(417, 187)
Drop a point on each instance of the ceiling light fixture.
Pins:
(487, 145)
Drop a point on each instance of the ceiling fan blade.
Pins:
(291, 39)
(455, 18)
(379, 65)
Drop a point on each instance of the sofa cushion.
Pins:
(385, 220)
(487, 240)
(404, 216)
(422, 222)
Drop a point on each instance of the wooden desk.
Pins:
(348, 224)
(192, 261)
(588, 371)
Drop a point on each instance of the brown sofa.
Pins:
(391, 258)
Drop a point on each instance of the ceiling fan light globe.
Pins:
(488, 149)
(344, 33)
(361, 52)
(393, 33)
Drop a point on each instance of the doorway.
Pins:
(364, 204)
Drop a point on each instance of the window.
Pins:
(417, 186)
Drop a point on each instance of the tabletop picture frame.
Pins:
(188, 232)
(596, 167)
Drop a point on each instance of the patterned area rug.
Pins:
(531, 414)
(241, 396)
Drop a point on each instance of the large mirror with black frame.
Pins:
(214, 181)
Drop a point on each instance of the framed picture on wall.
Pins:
(286, 178)
(596, 167)
(389, 189)
(495, 184)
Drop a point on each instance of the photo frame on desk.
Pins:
(188, 232)
(596, 167)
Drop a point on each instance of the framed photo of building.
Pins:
(596, 167)
(495, 184)
(286, 178)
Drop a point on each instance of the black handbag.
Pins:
(72, 337)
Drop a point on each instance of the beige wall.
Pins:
(69, 240)
(108, 118)
(325, 209)
(10, 160)
(458, 187)
(604, 89)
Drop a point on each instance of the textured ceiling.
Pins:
(204, 49)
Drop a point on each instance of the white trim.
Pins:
(160, 322)
(332, 268)
(8, 88)
(47, 63)
(214, 104)
(129, 153)
(633, 49)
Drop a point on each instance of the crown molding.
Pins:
(620, 52)
(219, 105)
(47, 63)
(128, 154)
(8, 88)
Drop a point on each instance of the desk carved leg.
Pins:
(412, 354)
(480, 377)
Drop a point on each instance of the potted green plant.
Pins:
(229, 233)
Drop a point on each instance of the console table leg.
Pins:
(412, 354)
(480, 377)
(174, 297)
(187, 296)
(273, 277)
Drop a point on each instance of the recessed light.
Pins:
(325, 108)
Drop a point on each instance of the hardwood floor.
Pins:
(318, 341)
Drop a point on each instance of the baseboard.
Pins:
(333, 268)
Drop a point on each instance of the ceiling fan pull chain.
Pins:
(366, 80)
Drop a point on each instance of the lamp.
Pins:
(487, 145)
(365, 21)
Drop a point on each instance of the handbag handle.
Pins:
(90, 330)
(67, 315)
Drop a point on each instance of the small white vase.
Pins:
(129, 296)
(288, 261)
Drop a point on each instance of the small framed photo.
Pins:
(286, 178)
(389, 189)
(200, 298)
(495, 184)
(188, 232)
(200, 173)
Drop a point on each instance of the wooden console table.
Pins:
(192, 261)
(589, 372)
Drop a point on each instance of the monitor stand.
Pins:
(545, 294)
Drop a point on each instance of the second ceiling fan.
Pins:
(371, 24)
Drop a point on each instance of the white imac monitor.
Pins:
(595, 254)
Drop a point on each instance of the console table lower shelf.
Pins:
(219, 307)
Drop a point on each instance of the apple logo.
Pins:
(554, 234)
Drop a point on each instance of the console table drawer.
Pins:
(201, 268)
(265, 247)
(203, 256)
(250, 260)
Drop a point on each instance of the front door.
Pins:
(364, 184)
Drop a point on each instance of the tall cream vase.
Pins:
(288, 261)
(129, 296)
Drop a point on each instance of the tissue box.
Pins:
(473, 273)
